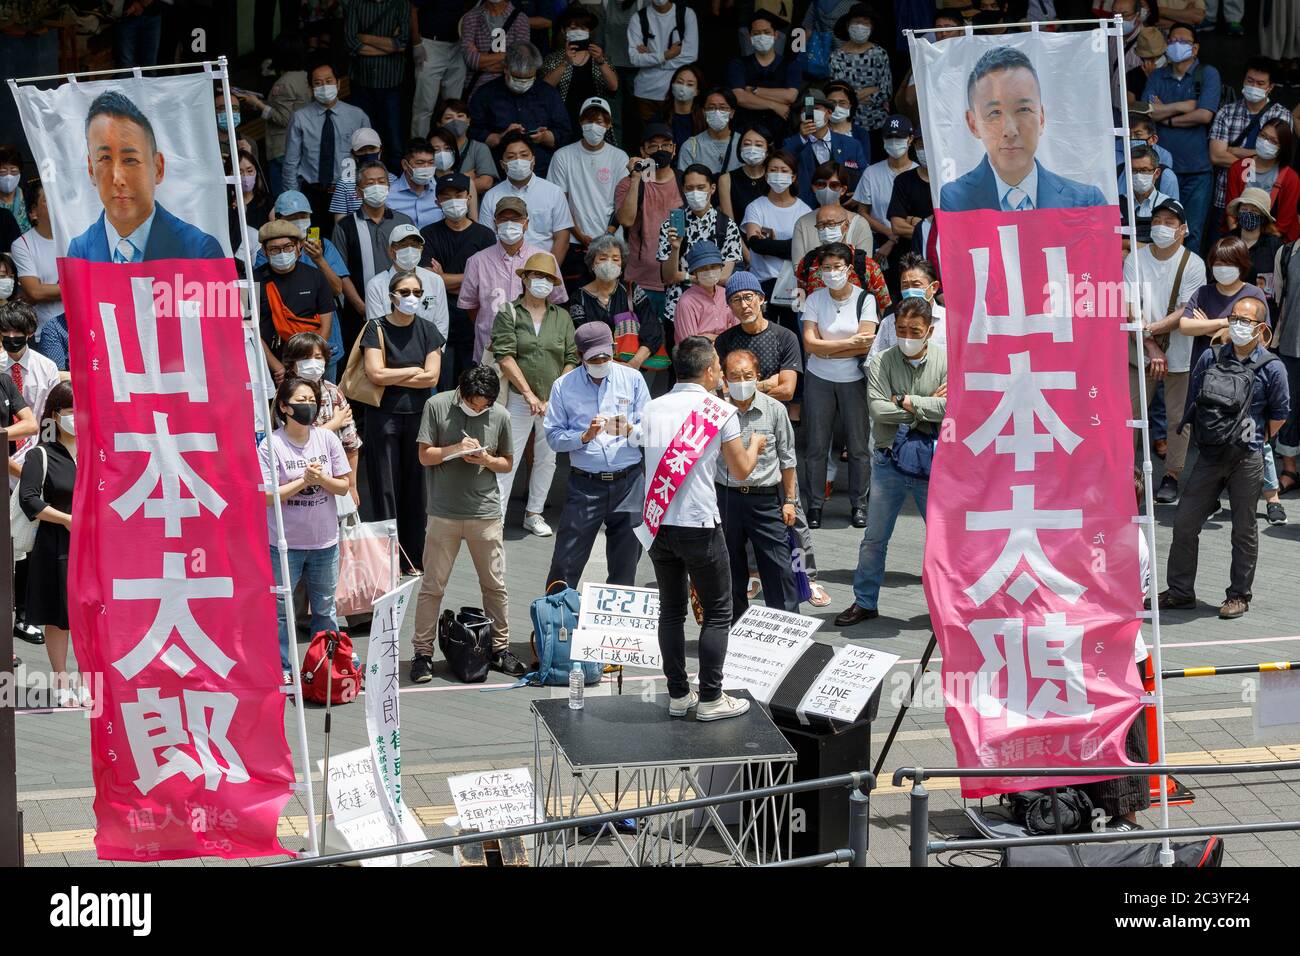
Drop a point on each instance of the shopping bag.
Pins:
(366, 562)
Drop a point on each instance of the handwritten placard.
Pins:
(762, 647)
(494, 799)
(362, 815)
(383, 721)
(846, 684)
(618, 625)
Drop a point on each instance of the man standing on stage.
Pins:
(681, 435)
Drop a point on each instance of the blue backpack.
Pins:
(555, 617)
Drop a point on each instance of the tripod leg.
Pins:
(911, 695)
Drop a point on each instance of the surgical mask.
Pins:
(607, 271)
(6, 287)
(221, 120)
(443, 159)
(859, 33)
(752, 155)
(375, 196)
(911, 347)
(325, 94)
(1249, 220)
(1135, 143)
(1226, 275)
(577, 36)
(826, 196)
(1128, 27)
(1163, 236)
(914, 293)
(520, 86)
(1241, 332)
(835, 279)
(708, 277)
(717, 119)
(304, 413)
(14, 344)
(464, 407)
(599, 371)
(1266, 150)
(68, 423)
(455, 209)
(896, 148)
(519, 169)
(422, 175)
(1161, 61)
(303, 225)
(920, 156)
(742, 391)
(283, 261)
(1142, 182)
(840, 114)
(831, 234)
(1178, 52)
(510, 232)
(311, 369)
(819, 118)
(248, 182)
(407, 304)
(1254, 94)
(593, 133)
(683, 93)
(9, 183)
(763, 42)
(540, 288)
(697, 199)
(779, 182)
(407, 259)
(662, 158)
(458, 127)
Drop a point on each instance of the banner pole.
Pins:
(284, 593)
(1147, 521)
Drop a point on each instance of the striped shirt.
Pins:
(380, 18)
(476, 38)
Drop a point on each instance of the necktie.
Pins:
(1015, 200)
(325, 167)
(125, 252)
(16, 373)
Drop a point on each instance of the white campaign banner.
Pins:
(361, 819)
(846, 683)
(762, 647)
(618, 625)
(383, 658)
(137, 154)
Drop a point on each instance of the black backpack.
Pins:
(679, 9)
(1219, 420)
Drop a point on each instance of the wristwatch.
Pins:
(899, 399)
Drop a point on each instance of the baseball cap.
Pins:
(291, 203)
(656, 129)
(512, 204)
(405, 231)
(365, 138)
(1174, 206)
(896, 127)
(451, 181)
(593, 339)
(597, 102)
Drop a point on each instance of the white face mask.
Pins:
(593, 133)
(717, 119)
(443, 159)
(455, 209)
(896, 148)
(1163, 236)
(752, 155)
(407, 259)
(599, 371)
(742, 391)
(831, 234)
(520, 86)
(708, 277)
(510, 232)
(283, 261)
(6, 287)
(375, 196)
(576, 36)
(422, 175)
(827, 196)
(1240, 332)
(607, 271)
(303, 225)
(840, 114)
(311, 369)
(920, 156)
(1266, 150)
(8, 183)
(911, 347)
(1226, 275)
(68, 423)
(683, 93)
(407, 304)
(763, 42)
(819, 118)
(1254, 94)
(1142, 182)
(697, 199)
(779, 182)
(325, 94)
(859, 32)
(464, 407)
(519, 169)
(540, 288)
(835, 279)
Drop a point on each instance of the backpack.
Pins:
(346, 681)
(1222, 405)
(679, 10)
(555, 617)
(465, 639)
(1032, 809)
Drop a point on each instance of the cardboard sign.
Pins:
(762, 647)
(846, 684)
(494, 799)
(618, 625)
(362, 818)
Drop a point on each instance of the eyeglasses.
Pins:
(745, 298)
(1238, 317)
(282, 247)
(832, 225)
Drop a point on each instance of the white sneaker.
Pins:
(67, 697)
(536, 524)
(678, 706)
(724, 706)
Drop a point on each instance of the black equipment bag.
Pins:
(465, 639)
(1201, 854)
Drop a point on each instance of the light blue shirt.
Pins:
(576, 399)
(1028, 186)
(422, 207)
(138, 239)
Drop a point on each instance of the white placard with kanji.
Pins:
(762, 647)
(846, 683)
(618, 625)
(360, 811)
(494, 799)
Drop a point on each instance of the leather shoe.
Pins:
(859, 517)
(855, 614)
(814, 517)
(28, 632)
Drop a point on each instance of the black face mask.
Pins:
(304, 413)
(662, 158)
(13, 345)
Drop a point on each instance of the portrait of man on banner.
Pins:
(1005, 112)
(126, 166)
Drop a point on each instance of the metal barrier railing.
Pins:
(860, 785)
(922, 846)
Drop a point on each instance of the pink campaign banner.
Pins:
(169, 583)
(1031, 561)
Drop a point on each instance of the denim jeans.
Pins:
(320, 569)
(1197, 191)
(889, 489)
(700, 554)
(137, 40)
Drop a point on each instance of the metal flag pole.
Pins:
(284, 592)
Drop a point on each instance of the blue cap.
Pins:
(290, 203)
(703, 253)
(743, 282)
(896, 127)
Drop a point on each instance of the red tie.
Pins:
(16, 373)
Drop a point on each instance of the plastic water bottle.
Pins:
(577, 682)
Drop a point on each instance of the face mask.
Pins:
(896, 148)
(1163, 236)
(221, 120)
(836, 278)
(662, 158)
(576, 36)
(1161, 61)
(859, 33)
(519, 169)
(831, 234)
(1249, 220)
(697, 199)
(708, 277)
(1128, 27)
(920, 156)
(303, 225)
(1142, 182)
(248, 182)
(742, 391)
(304, 413)
(1226, 275)
(422, 175)
(819, 118)
(911, 347)
(1266, 150)
(683, 93)
(840, 114)
(6, 288)
(827, 196)
(915, 294)
(14, 344)
(1254, 94)
(464, 407)
(374, 196)
(311, 369)
(8, 183)
(540, 288)
(458, 127)
(407, 259)
(717, 120)
(593, 133)
(1178, 52)
(68, 423)
(1135, 143)
(1241, 332)
(510, 232)
(443, 159)
(752, 155)
(520, 86)
(599, 371)
(407, 304)
(325, 94)
(779, 182)
(283, 261)
(455, 208)
(607, 271)
(763, 42)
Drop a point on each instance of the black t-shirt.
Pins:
(305, 292)
(405, 346)
(11, 403)
(745, 190)
(1263, 255)
(911, 196)
(9, 230)
(452, 250)
(777, 347)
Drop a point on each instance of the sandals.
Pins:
(820, 598)
(755, 585)
(1283, 488)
